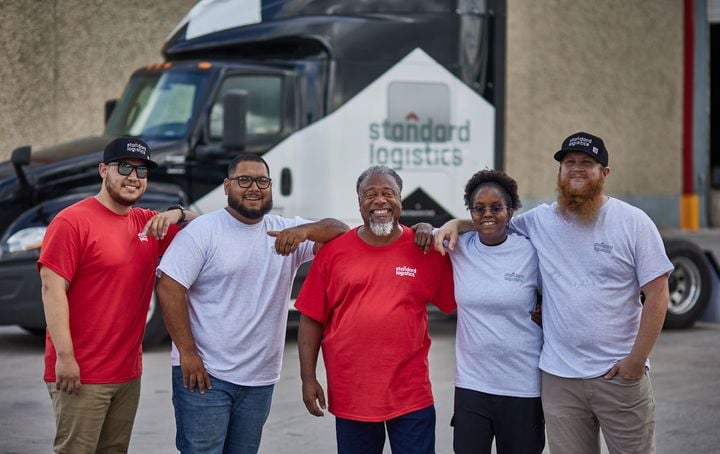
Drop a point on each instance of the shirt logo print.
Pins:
(514, 277)
(405, 271)
(142, 236)
(603, 247)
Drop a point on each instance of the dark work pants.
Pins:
(516, 423)
(412, 433)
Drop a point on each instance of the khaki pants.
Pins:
(97, 420)
(576, 408)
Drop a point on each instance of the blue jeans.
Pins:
(412, 433)
(227, 419)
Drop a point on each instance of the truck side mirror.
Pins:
(234, 112)
(285, 181)
(21, 157)
(109, 108)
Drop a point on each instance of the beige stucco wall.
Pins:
(609, 67)
(61, 59)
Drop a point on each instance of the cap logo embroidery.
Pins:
(136, 148)
(581, 141)
(405, 271)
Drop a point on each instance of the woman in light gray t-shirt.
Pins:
(497, 382)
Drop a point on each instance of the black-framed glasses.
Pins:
(125, 169)
(245, 181)
(494, 209)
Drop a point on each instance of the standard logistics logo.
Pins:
(440, 144)
(418, 131)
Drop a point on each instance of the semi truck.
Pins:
(321, 89)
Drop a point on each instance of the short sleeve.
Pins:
(444, 297)
(313, 300)
(61, 249)
(521, 223)
(184, 259)
(651, 261)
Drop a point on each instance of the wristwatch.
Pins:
(182, 212)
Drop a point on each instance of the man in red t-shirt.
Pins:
(97, 266)
(364, 301)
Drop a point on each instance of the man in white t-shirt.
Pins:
(224, 290)
(596, 254)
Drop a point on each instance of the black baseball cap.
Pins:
(128, 148)
(584, 143)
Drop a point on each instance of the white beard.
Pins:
(384, 229)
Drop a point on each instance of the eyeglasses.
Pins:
(245, 181)
(125, 169)
(494, 209)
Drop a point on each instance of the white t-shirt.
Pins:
(497, 345)
(592, 275)
(238, 293)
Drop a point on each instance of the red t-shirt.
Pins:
(372, 301)
(111, 271)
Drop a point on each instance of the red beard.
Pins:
(579, 203)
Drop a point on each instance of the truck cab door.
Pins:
(269, 119)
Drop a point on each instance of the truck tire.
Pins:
(155, 332)
(690, 284)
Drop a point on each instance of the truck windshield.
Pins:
(158, 106)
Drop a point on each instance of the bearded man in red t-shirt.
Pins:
(97, 266)
(364, 302)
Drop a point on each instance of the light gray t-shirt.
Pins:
(497, 345)
(238, 293)
(592, 275)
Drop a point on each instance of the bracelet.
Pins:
(182, 213)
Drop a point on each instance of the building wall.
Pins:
(61, 59)
(610, 67)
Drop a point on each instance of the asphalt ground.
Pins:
(685, 376)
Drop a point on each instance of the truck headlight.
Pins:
(27, 240)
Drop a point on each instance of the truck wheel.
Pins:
(690, 284)
(155, 332)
